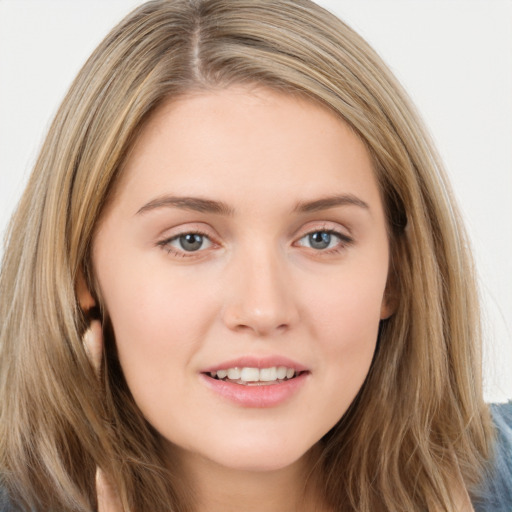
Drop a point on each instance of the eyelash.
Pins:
(344, 242)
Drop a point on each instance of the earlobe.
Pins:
(387, 308)
(389, 301)
(85, 299)
(391, 297)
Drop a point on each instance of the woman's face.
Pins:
(243, 263)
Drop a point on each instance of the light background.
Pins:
(453, 56)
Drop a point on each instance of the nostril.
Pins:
(262, 329)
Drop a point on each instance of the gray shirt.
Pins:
(495, 493)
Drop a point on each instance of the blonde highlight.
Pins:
(58, 423)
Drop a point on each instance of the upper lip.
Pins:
(257, 362)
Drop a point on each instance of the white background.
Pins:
(453, 56)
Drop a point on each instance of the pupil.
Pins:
(191, 242)
(320, 240)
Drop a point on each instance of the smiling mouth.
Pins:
(255, 376)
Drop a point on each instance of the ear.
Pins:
(388, 307)
(390, 299)
(85, 299)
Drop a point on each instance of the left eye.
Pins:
(320, 240)
(190, 242)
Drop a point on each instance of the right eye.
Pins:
(185, 243)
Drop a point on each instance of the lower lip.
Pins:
(269, 395)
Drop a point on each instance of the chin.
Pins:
(256, 455)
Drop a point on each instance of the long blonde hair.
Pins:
(419, 418)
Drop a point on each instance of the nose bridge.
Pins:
(261, 299)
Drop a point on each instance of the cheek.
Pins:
(347, 310)
(157, 322)
(158, 326)
(346, 323)
(155, 308)
(142, 295)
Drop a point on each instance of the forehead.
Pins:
(226, 141)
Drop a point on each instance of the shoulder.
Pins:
(495, 492)
(5, 503)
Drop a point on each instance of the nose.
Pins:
(260, 298)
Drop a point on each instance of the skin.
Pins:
(256, 286)
(107, 497)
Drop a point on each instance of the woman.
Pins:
(239, 221)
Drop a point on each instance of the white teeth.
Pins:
(281, 372)
(247, 374)
(234, 373)
(268, 374)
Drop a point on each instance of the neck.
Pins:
(216, 488)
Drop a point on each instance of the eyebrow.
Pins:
(198, 204)
(195, 204)
(330, 202)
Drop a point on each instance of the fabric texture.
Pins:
(495, 492)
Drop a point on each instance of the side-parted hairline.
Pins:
(419, 418)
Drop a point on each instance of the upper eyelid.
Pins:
(324, 230)
(204, 230)
(327, 226)
(189, 232)
(177, 231)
